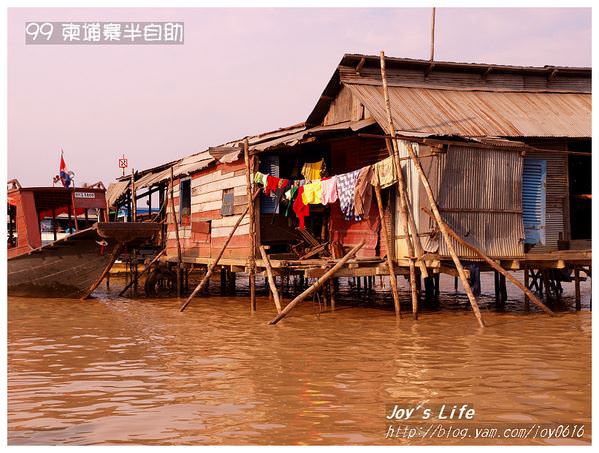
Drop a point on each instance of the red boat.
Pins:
(83, 243)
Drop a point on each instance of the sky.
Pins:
(240, 72)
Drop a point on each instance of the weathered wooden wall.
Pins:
(209, 229)
(345, 107)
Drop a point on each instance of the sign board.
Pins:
(85, 195)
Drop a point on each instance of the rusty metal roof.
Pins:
(479, 113)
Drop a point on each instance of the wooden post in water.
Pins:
(526, 284)
(407, 221)
(333, 291)
(271, 278)
(389, 244)
(317, 284)
(493, 264)
(176, 223)
(577, 288)
(252, 257)
(217, 259)
(444, 230)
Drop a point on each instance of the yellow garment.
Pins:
(312, 193)
(384, 173)
(311, 170)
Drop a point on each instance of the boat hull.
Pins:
(68, 267)
(65, 271)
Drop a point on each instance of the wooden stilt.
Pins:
(494, 265)
(252, 215)
(389, 245)
(176, 223)
(271, 279)
(113, 256)
(333, 290)
(496, 286)
(206, 278)
(455, 283)
(146, 269)
(577, 288)
(502, 288)
(437, 278)
(526, 285)
(401, 186)
(318, 284)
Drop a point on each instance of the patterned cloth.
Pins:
(346, 189)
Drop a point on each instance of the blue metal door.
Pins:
(534, 175)
(269, 165)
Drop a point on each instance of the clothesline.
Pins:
(353, 190)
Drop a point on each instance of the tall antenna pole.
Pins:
(433, 37)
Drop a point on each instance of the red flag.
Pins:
(65, 177)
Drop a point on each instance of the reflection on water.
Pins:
(114, 370)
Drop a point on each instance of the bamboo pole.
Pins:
(113, 256)
(401, 186)
(176, 223)
(162, 252)
(433, 37)
(387, 239)
(393, 150)
(218, 257)
(134, 197)
(494, 265)
(446, 236)
(317, 284)
(271, 278)
(252, 215)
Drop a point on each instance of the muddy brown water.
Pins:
(115, 370)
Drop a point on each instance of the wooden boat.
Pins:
(68, 267)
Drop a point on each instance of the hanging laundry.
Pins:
(301, 210)
(272, 183)
(283, 183)
(291, 194)
(312, 170)
(312, 192)
(329, 190)
(385, 171)
(260, 178)
(346, 190)
(363, 196)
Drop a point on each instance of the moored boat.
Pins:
(69, 266)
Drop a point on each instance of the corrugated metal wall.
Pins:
(479, 193)
(480, 196)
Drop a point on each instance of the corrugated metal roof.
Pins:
(480, 113)
(115, 190)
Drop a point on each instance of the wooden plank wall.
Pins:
(209, 230)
